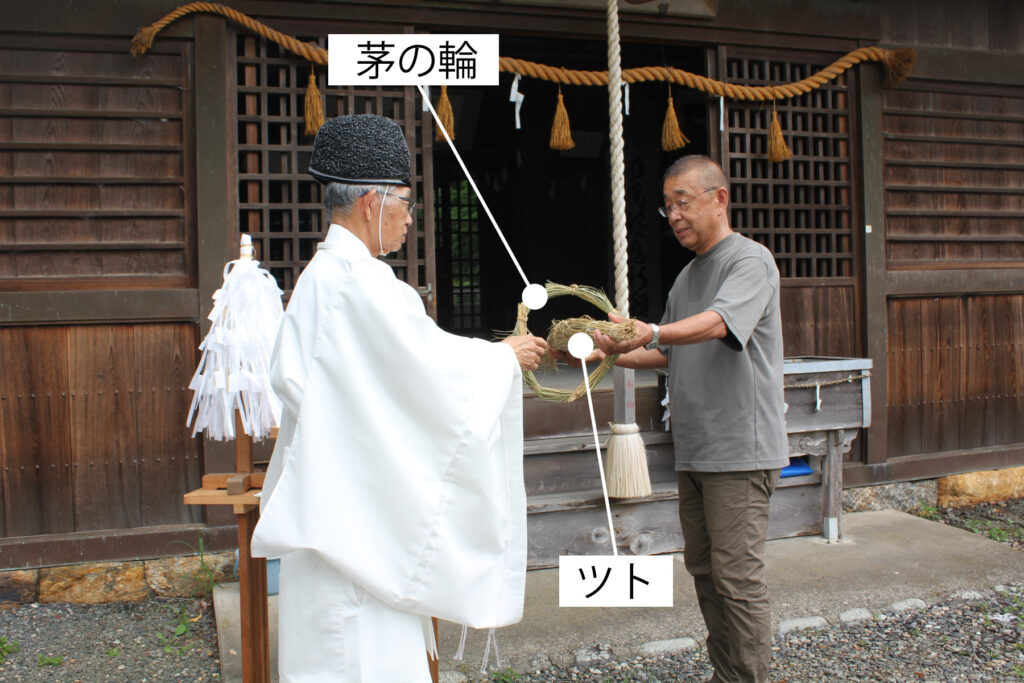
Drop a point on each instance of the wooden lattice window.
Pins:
(279, 204)
(800, 209)
(459, 239)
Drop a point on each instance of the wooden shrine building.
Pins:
(898, 225)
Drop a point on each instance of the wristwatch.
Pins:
(655, 334)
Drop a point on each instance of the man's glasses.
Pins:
(681, 205)
(412, 203)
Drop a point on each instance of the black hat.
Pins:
(363, 149)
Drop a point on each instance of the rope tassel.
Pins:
(314, 106)
(446, 115)
(777, 148)
(898, 64)
(561, 134)
(672, 137)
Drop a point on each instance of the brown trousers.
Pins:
(724, 517)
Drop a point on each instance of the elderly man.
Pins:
(395, 491)
(721, 338)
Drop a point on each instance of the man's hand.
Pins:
(528, 349)
(596, 356)
(644, 333)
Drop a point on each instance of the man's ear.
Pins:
(366, 204)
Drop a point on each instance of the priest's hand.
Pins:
(528, 348)
(644, 333)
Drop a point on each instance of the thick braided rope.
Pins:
(685, 78)
(308, 51)
(316, 54)
(618, 166)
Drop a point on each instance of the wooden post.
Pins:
(832, 491)
(252, 593)
(432, 661)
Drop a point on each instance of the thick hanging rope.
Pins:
(618, 164)
(898, 63)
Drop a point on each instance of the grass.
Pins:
(928, 511)
(172, 644)
(112, 652)
(504, 676)
(7, 647)
(46, 660)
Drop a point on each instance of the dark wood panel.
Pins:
(953, 225)
(91, 164)
(104, 438)
(946, 151)
(991, 179)
(90, 98)
(117, 545)
(899, 255)
(926, 124)
(955, 373)
(36, 452)
(922, 96)
(86, 198)
(819, 321)
(97, 130)
(90, 230)
(933, 465)
(168, 456)
(76, 262)
(41, 61)
(904, 381)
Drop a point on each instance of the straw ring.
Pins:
(590, 295)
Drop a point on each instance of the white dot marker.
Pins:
(580, 345)
(535, 296)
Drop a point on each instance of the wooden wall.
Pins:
(93, 427)
(97, 271)
(93, 152)
(953, 202)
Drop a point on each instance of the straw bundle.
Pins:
(562, 330)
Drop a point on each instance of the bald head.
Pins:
(707, 172)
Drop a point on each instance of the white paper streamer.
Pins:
(625, 95)
(234, 369)
(721, 114)
(426, 96)
(517, 97)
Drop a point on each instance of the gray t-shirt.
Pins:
(726, 394)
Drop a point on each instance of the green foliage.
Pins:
(112, 652)
(179, 629)
(504, 676)
(55, 660)
(928, 511)
(7, 647)
(203, 578)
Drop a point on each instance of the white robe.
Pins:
(399, 459)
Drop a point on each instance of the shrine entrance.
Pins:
(555, 207)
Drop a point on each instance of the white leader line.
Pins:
(600, 466)
(483, 203)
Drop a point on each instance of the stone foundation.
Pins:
(903, 496)
(990, 486)
(117, 581)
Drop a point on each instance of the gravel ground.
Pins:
(151, 641)
(969, 637)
